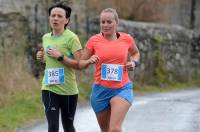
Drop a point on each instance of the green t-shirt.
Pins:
(68, 43)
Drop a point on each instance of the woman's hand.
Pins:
(130, 65)
(54, 53)
(40, 55)
(93, 59)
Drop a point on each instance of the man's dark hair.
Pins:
(64, 6)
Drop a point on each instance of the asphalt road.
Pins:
(163, 112)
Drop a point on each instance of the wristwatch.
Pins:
(60, 58)
(136, 63)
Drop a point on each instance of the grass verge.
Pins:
(25, 107)
(22, 108)
(166, 88)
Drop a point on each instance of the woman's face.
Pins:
(58, 19)
(108, 23)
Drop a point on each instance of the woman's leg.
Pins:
(103, 119)
(68, 109)
(119, 109)
(51, 105)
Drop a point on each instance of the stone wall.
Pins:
(168, 11)
(35, 11)
(195, 54)
(197, 16)
(179, 12)
(164, 49)
(22, 24)
(168, 53)
(13, 38)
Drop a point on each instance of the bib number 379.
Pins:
(111, 72)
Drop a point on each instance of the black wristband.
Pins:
(60, 58)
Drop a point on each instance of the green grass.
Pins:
(170, 87)
(25, 106)
(20, 110)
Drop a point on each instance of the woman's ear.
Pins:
(67, 21)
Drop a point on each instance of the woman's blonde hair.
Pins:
(113, 11)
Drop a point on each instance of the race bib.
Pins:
(111, 72)
(54, 76)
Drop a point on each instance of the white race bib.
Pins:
(54, 76)
(111, 72)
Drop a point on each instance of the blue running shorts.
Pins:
(101, 96)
